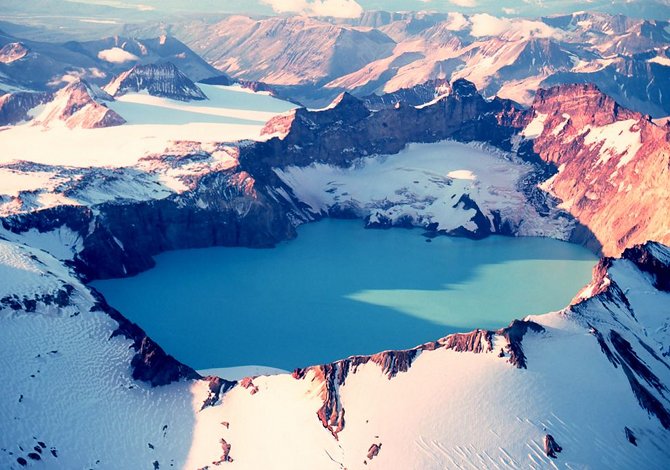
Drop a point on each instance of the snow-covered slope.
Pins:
(593, 377)
(69, 398)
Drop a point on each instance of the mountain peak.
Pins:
(349, 104)
(12, 52)
(463, 88)
(159, 79)
(79, 105)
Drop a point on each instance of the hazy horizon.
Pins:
(138, 9)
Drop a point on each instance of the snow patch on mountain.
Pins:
(662, 60)
(14, 181)
(535, 127)
(62, 243)
(620, 138)
(558, 129)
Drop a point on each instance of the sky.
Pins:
(137, 9)
(354, 8)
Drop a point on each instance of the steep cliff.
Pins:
(614, 164)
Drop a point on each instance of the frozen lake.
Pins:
(339, 290)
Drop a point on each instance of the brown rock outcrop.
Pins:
(373, 451)
(551, 447)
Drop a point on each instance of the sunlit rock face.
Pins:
(78, 105)
(623, 156)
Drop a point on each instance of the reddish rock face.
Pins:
(248, 383)
(331, 376)
(225, 455)
(374, 451)
(79, 106)
(620, 187)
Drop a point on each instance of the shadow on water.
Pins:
(339, 290)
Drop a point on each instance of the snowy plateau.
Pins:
(125, 149)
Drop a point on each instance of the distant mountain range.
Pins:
(39, 66)
(82, 104)
(312, 60)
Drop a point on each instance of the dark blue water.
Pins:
(339, 290)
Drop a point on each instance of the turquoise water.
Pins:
(339, 290)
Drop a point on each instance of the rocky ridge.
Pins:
(15, 107)
(348, 130)
(417, 95)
